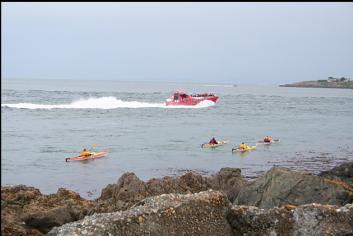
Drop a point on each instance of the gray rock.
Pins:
(130, 189)
(168, 214)
(279, 187)
(306, 220)
(228, 180)
(25, 211)
(317, 220)
(343, 171)
(250, 220)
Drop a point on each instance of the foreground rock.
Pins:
(343, 171)
(210, 213)
(312, 219)
(130, 189)
(280, 186)
(25, 211)
(202, 213)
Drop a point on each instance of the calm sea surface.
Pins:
(45, 121)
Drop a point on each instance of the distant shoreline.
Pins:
(340, 83)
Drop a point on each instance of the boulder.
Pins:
(229, 181)
(25, 211)
(130, 189)
(250, 220)
(317, 220)
(280, 186)
(167, 214)
(343, 171)
(13, 199)
(310, 219)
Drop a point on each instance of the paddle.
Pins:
(93, 147)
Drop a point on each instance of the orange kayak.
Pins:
(82, 158)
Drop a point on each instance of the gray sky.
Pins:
(242, 43)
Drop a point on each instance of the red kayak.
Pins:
(94, 155)
(183, 99)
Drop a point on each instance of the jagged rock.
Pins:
(280, 186)
(343, 171)
(228, 180)
(168, 214)
(317, 220)
(130, 189)
(13, 199)
(250, 220)
(311, 220)
(25, 211)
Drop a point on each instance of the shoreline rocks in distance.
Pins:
(343, 83)
(136, 207)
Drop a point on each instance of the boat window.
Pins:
(175, 97)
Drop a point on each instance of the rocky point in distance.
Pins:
(280, 202)
(331, 82)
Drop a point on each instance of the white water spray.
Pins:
(103, 103)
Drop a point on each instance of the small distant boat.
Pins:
(183, 99)
(268, 143)
(219, 143)
(249, 148)
(93, 155)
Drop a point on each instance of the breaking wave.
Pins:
(102, 103)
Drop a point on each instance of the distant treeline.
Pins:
(330, 82)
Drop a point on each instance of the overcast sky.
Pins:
(241, 43)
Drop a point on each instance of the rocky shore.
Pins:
(331, 82)
(281, 202)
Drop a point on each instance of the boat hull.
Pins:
(82, 158)
(190, 101)
(219, 143)
(243, 150)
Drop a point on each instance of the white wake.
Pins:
(103, 103)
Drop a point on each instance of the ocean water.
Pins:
(46, 121)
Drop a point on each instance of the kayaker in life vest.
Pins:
(85, 153)
(213, 141)
(243, 146)
(267, 139)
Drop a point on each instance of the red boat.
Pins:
(183, 99)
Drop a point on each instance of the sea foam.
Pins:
(102, 103)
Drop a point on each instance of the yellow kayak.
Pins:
(249, 148)
(219, 143)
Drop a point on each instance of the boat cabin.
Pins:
(180, 96)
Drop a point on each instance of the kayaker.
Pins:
(243, 146)
(85, 153)
(213, 141)
(267, 139)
